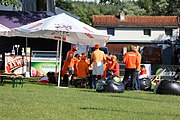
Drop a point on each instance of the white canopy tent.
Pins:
(62, 28)
(4, 30)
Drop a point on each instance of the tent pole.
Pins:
(57, 56)
(60, 55)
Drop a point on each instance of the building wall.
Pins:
(136, 34)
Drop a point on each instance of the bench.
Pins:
(14, 77)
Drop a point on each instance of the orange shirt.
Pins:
(70, 58)
(69, 62)
(131, 59)
(98, 56)
(75, 65)
(115, 68)
(106, 67)
(82, 70)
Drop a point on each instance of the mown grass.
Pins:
(44, 102)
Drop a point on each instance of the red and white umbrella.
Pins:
(63, 28)
(76, 32)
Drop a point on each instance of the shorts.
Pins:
(71, 70)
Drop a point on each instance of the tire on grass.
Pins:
(168, 87)
(113, 86)
(145, 84)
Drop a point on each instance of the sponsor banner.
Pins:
(40, 68)
(16, 64)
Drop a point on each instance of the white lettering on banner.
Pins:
(48, 66)
(16, 63)
(88, 30)
(63, 26)
(131, 54)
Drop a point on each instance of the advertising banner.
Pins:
(16, 64)
(41, 68)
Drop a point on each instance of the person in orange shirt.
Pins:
(68, 66)
(114, 66)
(131, 63)
(82, 71)
(106, 66)
(77, 60)
(98, 58)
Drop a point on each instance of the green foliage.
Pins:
(173, 7)
(146, 5)
(15, 3)
(160, 7)
(85, 10)
(43, 102)
(130, 8)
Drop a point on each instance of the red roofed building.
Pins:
(140, 30)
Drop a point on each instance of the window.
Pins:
(110, 31)
(147, 32)
(168, 31)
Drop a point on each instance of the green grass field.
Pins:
(44, 102)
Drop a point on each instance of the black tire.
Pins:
(100, 86)
(78, 83)
(145, 84)
(168, 87)
(112, 86)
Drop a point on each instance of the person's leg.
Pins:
(71, 75)
(126, 77)
(133, 77)
(137, 81)
(83, 83)
(99, 77)
(93, 82)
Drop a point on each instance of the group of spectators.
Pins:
(99, 64)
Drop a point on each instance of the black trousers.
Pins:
(130, 72)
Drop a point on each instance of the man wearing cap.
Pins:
(98, 58)
(68, 67)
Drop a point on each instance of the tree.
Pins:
(146, 5)
(65, 5)
(130, 8)
(85, 10)
(173, 7)
(159, 7)
(15, 3)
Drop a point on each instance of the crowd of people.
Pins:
(98, 65)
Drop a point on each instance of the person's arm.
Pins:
(92, 57)
(104, 58)
(124, 59)
(69, 55)
(139, 61)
